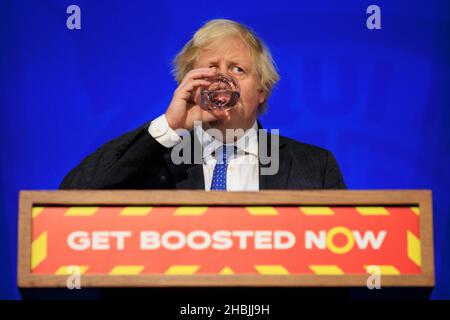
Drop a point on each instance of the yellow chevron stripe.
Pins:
(271, 269)
(385, 269)
(182, 269)
(317, 211)
(372, 211)
(36, 211)
(326, 269)
(64, 270)
(39, 250)
(415, 210)
(126, 270)
(414, 248)
(80, 211)
(226, 271)
(190, 211)
(262, 211)
(135, 211)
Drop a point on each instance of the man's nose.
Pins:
(222, 69)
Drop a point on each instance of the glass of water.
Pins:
(222, 94)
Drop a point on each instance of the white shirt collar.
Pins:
(248, 143)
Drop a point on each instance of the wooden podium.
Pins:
(183, 238)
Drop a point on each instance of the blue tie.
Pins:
(219, 179)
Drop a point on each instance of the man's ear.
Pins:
(262, 96)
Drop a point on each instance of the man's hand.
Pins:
(184, 108)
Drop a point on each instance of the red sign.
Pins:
(226, 240)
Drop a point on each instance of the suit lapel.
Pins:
(187, 176)
(279, 180)
(194, 179)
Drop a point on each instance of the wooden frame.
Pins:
(422, 198)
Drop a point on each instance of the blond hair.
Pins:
(220, 28)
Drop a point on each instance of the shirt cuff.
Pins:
(165, 135)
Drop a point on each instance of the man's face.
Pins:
(232, 56)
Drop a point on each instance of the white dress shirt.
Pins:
(243, 167)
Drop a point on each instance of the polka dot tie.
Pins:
(219, 179)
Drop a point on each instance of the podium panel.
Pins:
(178, 238)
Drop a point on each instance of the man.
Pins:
(144, 158)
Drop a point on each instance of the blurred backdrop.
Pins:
(378, 99)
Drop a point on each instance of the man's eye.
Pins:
(239, 69)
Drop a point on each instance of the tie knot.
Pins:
(225, 153)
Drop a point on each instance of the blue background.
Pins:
(378, 99)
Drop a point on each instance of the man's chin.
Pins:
(222, 122)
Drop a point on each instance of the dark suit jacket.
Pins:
(136, 160)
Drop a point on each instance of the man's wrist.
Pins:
(163, 133)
